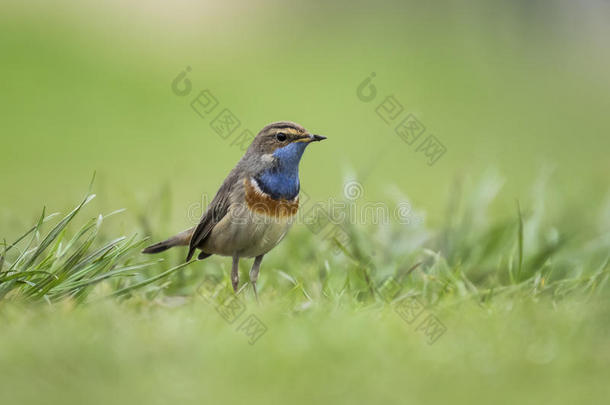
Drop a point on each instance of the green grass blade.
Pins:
(519, 243)
(150, 280)
(56, 230)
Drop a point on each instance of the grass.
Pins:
(522, 303)
(56, 267)
(519, 289)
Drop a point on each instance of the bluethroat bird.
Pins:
(255, 205)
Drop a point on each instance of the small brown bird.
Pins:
(255, 205)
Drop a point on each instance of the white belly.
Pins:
(263, 234)
(247, 234)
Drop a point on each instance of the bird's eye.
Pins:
(280, 136)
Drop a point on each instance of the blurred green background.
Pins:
(510, 87)
(517, 91)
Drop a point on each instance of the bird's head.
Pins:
(282, 143)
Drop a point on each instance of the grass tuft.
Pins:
(55, 267)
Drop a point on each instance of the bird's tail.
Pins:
(182, 239)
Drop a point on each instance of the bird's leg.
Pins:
(235, 273)
(254, 273)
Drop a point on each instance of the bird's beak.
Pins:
(308, 138)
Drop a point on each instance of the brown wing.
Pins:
(217, 209)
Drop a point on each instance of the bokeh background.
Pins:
(512, 89)
(517, 91)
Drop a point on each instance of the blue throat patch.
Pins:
(282, 181)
